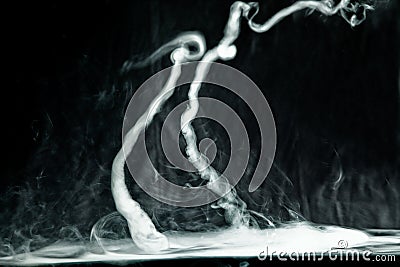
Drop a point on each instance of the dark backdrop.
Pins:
(333, 89)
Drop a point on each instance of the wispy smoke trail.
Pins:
(346, 8)
(235, 208)
(142, 229)
(185, 41)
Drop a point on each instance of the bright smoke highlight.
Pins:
(148, 242)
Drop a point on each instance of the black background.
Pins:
(333, 89)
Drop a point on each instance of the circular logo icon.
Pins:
(140, 164)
